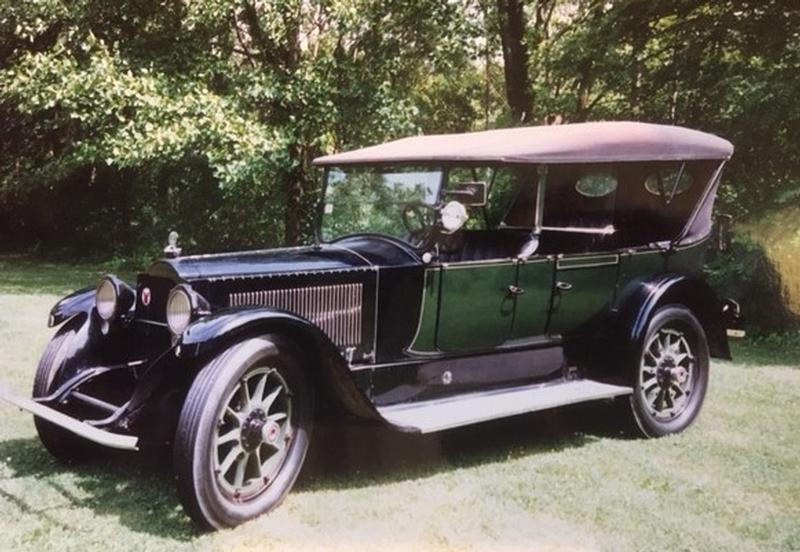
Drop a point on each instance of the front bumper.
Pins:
(82, 429)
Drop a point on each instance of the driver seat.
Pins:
(484, 245)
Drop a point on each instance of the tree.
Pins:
(512, 22)
(236, 96)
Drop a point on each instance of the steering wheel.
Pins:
(419, 218)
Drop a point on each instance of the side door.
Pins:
(476, 308)
(579, 215)
(534, 292)
(584, 287)
(479, 296)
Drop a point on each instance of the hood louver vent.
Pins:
(335, 309)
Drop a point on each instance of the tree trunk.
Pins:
(294, 188)
(584, 89)
(511, 18)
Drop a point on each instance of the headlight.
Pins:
(179, 310)
(106, 299)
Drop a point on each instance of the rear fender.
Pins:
(213, 333)
(691, 292)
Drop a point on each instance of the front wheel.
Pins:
(243, 433)
(672, 373)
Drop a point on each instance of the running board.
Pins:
(472, 408)
(105, 438)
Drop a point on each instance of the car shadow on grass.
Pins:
(139, 490)
(365, 455)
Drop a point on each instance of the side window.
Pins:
(512, 196)
(657, 198)
(669, 182)
(580, 198)
(514, 201)
(596, 184)
(456, 175)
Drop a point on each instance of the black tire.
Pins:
(64, 445)
(669, 400)
(204, 491)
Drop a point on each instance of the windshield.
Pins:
(373, 199)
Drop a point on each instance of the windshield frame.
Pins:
(320, 209)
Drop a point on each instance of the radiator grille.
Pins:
(335, 309)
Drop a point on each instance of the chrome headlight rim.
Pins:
(107, 299)
(179, 316)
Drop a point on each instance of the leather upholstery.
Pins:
(481, 245)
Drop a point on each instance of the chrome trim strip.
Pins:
(421, 313)
(537, 343)
(586, 262)
(352, 251)
(268, 275)
(82, 429)
(236, 253)
(604, 231)
(541, 186)
(490, 262)
(374, 353)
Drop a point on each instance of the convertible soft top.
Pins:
(571, 143)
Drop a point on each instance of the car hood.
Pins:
(255, 263)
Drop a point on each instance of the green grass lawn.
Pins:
(564, 480)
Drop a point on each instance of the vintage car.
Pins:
(455, 279)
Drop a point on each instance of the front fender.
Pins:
(213, 333)
(81, 301)
(693, 293)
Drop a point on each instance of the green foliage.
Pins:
(371, 201)
(124, 120)
(203, 116)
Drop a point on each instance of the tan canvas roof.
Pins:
(572, 143)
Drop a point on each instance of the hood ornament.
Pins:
(172, 250)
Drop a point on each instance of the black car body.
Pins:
(533, 268)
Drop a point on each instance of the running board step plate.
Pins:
(472, 408)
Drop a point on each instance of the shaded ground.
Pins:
(565, 480)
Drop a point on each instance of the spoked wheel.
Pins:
(672, 374)
(243, 433)
(252, 434)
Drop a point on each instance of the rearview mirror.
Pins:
(471, 194)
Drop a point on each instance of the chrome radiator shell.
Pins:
(336, 309)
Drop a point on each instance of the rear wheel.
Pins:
(64, 445)
(243, 433)
(672, 373)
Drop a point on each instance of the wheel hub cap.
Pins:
(665, 376)
(252, 430)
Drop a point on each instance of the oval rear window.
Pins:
(665, 183)
(596, 184)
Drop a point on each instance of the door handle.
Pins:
(515, 290)
(563, 286)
